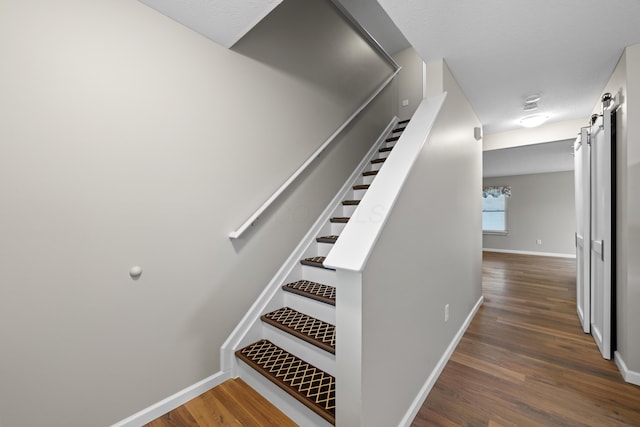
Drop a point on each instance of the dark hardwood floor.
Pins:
(524, 359)
(232, 403)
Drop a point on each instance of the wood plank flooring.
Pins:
(232, 403)
(524, 359)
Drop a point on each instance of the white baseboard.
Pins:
(551, 254)
(629, 376)
(431, 381)
(172, 402)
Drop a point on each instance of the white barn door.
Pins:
(583, 228)
(601, 234)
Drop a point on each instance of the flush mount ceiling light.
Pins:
(533, 120)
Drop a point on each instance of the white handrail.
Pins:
(374, 44)
(253, 218)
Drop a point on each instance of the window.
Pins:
(494, 209)
(494, 214)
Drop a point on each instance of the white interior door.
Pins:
(583, 228)
(601, 234)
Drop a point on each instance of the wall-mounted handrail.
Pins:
(375, 45)
(253, 218)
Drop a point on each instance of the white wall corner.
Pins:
(160, 408)
(431, 381)
(349, 341)
(629, 376)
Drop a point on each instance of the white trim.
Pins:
(431, 381)
(424, 79)
(629, 376)
(172, 402)
(551, 254)
(227, 357)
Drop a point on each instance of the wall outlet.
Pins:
(405, 102)
(446, 312)
(538, 242)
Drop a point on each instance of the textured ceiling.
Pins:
(500, 51)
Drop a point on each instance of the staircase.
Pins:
(294, 347)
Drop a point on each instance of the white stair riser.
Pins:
(295, 410)
(308, 352)
(319, 275)
(319, 310)
(376, 166)
(368, 179)
(323, 249)
(359, 194)
(360, 180)
(348, 210)
(336, 228)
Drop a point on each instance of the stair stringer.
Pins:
(249, 328)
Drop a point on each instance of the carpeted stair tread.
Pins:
(311, 386)
(350, 202)
(393, 138)
(399, 129)
(404, 121)
(385, 149)
(340, 219)
(315, 261)
(307, 328)
(374, 161)
(327, 239)
(369, 173)
(361, 187)
(313, 290)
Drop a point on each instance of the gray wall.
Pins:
(425, 258)
(128, 139)
(631, 225)
(625, 82)
(541, 207)
(409, 81)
